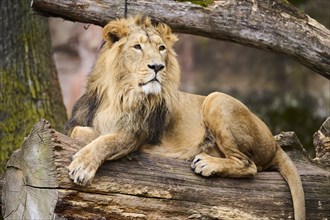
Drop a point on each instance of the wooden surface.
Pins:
(147, 187)
(273, 25)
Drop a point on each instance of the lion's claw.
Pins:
(81, 176)
(201, 166)
(82, 169)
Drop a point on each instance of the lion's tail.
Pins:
(289, 172)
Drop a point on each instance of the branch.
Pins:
(141, 186)
(272, 25)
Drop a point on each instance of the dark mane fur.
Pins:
(155, 123)
(83, 112)
(148, 125)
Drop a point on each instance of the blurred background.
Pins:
(282, 92)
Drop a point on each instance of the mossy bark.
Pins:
(203, 3)
(29, 88)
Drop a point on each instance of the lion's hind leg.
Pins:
(227, 120)
(234, 164)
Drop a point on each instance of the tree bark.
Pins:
(321, 141)
(273, 25)
(1, 186)
(29, 88)
(143, 186)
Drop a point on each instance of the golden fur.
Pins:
(133, 103)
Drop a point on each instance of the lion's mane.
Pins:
(109, 96)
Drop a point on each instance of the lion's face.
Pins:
(140, 57)
(144, 56)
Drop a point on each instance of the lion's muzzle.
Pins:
(156, 67)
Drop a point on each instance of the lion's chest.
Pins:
(143, 123)
(181, 138)
(105, 122)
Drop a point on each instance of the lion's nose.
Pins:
(156, 67)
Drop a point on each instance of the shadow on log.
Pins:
(141, 186)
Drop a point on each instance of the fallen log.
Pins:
(273, 25)
(141, 186)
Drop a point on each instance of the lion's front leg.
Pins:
(86, 161)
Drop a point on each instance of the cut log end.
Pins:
(142, 186)
(321, 141)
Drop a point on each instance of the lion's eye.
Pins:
(137, 47)
(161, 48)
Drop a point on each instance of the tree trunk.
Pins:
(273, 25)
(1, 186)
(29, 88)
(143, 186)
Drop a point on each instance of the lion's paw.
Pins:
(83, 167)
(75, 133)
(203, 165)
(83, 134)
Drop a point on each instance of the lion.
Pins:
(132, 102)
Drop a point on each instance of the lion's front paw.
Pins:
(83, 167)
(75, 133)
(203, 165)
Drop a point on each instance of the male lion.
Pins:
(132, 102)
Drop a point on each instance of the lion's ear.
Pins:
(115, 30)
(166, 33)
